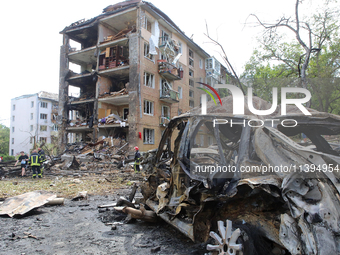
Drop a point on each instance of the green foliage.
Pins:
(7, 158)
(4, 139)
(277, 63)
(50, 149)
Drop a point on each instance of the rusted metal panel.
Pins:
(19, 205)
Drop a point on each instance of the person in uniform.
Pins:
(35, 162)
(137, 160)
(42, 155)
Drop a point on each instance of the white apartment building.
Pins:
(33, 121)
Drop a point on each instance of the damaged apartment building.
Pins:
(138, 70)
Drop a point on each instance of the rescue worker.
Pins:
(35, 162)
(137, 160)
(41, 154)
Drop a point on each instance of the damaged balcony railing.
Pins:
(170, 49)
(169, 71)
(169, 95)
(166, 41)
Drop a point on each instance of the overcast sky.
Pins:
(30, 39)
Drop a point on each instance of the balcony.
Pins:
(167, 42)
(84, 56)
(169, 71)
(169, 95)
(85, 98)
(164, 121)
(115, 98)
(169, 49)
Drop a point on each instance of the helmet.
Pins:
(136, 148)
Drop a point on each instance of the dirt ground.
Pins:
(79, 227)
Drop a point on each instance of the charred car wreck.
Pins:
(249, 189)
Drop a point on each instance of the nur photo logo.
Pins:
(238, 99)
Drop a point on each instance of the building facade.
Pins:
(33, 121)
(138, 70)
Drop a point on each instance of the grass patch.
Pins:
(62, 187)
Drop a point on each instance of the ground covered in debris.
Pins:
(79, 227)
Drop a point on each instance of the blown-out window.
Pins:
(148, 136)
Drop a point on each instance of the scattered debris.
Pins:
(107, 206)
(142, 213)
(122, 201)
(19, 205)
(8, 169)
(30, 235)
(107, 155)
(121, 34)
(80, 196)
(56, 201)
(155, 249)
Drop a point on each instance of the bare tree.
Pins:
(295, 25)
(225, 58)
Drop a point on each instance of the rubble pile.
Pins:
(110, 156)
(148, 161)
(84, 96)
(123, 33)
(112, 119)
(115, 93)
(8, 169)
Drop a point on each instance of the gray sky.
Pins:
(30, 39)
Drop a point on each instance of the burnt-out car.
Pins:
(250, 185)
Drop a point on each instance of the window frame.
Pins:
(147, 51)
(42, 139)
(145, 78)
(147, 132)
(168, 110)
(42, 116)
(191, 62)
(180, 92)
(44, 105)
(148, 105)
(146, 22)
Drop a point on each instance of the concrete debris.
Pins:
(121, 34)
(7, 169)
(109, 155)
(255, 187)
(155, 249)
(80, 196)
(19, 205)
